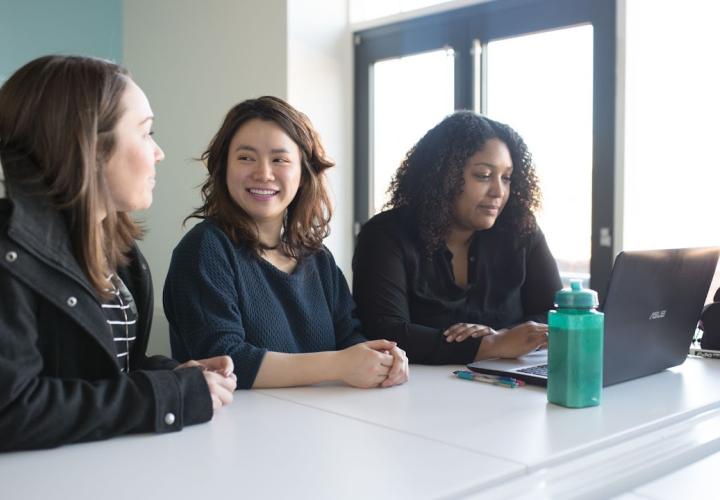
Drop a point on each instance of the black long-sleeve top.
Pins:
(402, 294)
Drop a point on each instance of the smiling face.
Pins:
(130, 171)
(487, 187)
(263, 170)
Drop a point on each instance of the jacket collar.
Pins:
(42, 230)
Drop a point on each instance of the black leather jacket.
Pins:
(59, 378)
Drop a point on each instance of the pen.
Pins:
(490, 379)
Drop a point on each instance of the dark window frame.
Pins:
(457, 29)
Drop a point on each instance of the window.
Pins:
(546, 67)
(541, 84)
(409, 96)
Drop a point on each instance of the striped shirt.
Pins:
(122, 316)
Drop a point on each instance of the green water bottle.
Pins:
(575, 348)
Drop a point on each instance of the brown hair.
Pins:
(307, 220)
(57, 121)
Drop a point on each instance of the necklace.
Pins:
(265, 247)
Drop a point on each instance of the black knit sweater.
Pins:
(223, 299)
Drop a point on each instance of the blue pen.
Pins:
(489, 379)
(467, 375)
(492, 381)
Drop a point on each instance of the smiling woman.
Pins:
(253, 280)
(263, 175)
(458, 270)
(256, 138)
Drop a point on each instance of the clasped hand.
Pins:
(376, 363)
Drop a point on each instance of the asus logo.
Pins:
(658, 314)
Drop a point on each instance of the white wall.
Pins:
(33, 29)
(195, 60)
(320, 84)
(672, 172)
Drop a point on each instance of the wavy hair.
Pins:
(308, 216)
(57, 121)
(430, 178)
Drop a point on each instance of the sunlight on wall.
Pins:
(365, 10)
(672, 172)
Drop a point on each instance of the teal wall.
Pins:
(31, 28)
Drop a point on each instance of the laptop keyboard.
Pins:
(540, 370)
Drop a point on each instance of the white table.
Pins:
(696, 481)
(434, 437)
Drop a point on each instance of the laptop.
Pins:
(652, 307)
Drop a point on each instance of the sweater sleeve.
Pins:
(345, 320)
(38, 411)
(201, 302)
(380, 289)
(542, 280)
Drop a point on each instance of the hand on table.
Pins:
(372, 363)
(400, 370)
(513, 342)
(461, 331)
(219, 376)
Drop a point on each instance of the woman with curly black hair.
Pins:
(458, 269)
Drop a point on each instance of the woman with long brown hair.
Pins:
(78, 155)
(253, 279)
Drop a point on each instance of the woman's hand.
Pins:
(513, 342)
(400, 370)
(219, 377)
(219, 364)
(461, 331)
(367, 364)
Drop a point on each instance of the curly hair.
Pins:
(308, 216)
(430, 178)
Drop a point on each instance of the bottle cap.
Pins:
(576, 297)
